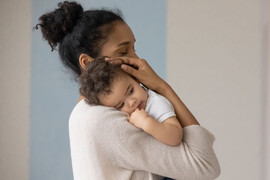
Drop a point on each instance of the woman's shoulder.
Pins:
(82, 108)
(85, 114)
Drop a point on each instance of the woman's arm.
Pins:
(168, 132)
(194, 158)
(145, 74)
(105, 145)
(183, 114)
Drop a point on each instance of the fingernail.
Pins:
(124, 67)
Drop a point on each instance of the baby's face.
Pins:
(126, 94)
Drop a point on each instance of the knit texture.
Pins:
(104, 145)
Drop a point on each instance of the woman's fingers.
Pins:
(129, 65)
(140, 69)
(114, 61)
(135, 62)
(130, 70)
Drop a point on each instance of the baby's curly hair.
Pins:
(97, 78)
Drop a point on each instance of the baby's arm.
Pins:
(168, 132)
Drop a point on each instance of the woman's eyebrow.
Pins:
(125, 43)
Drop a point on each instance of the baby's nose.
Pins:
(132, 102)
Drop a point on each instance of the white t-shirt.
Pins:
(158, 107)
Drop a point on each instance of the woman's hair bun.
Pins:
(56, 24)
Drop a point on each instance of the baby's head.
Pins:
(103, 83)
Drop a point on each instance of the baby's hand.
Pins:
(138, 118)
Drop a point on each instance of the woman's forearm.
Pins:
(184, 116)
(145, 74)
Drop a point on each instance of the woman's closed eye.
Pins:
(127, 51)
(123, 53)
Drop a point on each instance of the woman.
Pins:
(104, 145)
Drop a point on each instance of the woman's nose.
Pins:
(134, 55)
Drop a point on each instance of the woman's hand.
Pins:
(141, 70)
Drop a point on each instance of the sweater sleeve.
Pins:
(125, 146)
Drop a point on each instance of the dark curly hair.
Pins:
(97, 79)
(76, 31)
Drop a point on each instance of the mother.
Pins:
(104, 145)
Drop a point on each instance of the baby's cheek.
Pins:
(127, 111)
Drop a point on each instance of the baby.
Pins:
(106, 84)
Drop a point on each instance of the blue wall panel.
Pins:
(54, 92)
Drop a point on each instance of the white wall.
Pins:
(214, 63)
(15, 17)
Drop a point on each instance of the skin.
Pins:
(145, 74)
(120, 43)
(128, 96)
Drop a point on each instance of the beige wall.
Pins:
(214, 62)
(15, 23)
(266, 88)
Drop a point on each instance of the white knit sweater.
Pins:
(104, 145)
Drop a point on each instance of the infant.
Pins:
(103, 83)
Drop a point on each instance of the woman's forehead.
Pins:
(120, 36)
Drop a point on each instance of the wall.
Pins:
(266, 88)
(214, 62)
(54, 93)
(15, 36)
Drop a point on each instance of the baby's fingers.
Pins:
(130, 120)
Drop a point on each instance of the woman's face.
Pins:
(120, 42)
